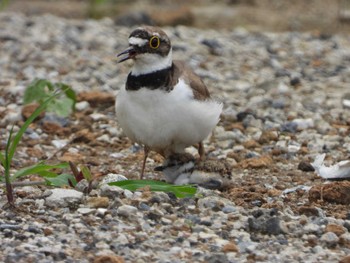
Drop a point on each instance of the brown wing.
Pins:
(200, 91)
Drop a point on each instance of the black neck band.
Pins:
(155, 80)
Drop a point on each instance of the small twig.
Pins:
(17, 184)
(64, 148)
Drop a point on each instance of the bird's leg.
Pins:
(145, 155)
(201, 151)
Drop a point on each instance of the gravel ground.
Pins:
(286, 97)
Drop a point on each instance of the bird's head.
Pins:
(150, 48)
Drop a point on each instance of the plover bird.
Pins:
(164, 105)
(182, 168)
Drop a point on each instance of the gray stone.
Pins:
(109, 178)
(59, 143)
(63, 197)
(97, 116)
(127, 211)
(270, 226)
(31, 191)
(229, 209)
(217, 258)
(311, 228)
(86, 210)
(82, 185)
(213, 202)
(111, 191)
(330, 239)
(104, 138)
(9, 226)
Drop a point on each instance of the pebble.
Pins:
(59, 143)
(55, 119)
(101, 211)
(306, 167)
(82, 105)
(97, 116)
(29, 191)
(9, 226)
(330, 239)
(85, 210)
(229, 209)
(110, 191)
(109, 178)
(346, 100)
(345, 239)
(312, 228)
(63, 197)
(12, 117)
(104, 138)
(266, 223)
(117, 155)
(82, 185)
(98, 202)
(127, 211)
(336, 229)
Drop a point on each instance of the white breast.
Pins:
(166, 120)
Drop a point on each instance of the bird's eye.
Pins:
(154, 42)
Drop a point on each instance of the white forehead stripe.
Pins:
(137, 41)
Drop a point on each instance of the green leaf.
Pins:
(47, 174)
(86, 173)
(3, 4)
(36, 91)
(69, 93)
(61, 107)
(19, 134)
(61, 180)
(41, 89)
(2, 159)
(180, 191)
(3, 163)
(41, 169)
(50, 86)
(7, 162)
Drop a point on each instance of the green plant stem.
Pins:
(12, 145)
(9, 190)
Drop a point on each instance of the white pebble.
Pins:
(82, 105)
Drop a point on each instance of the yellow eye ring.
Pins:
(154, 42)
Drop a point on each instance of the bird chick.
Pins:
(183, 168)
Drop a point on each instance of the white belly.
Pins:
(162, 120)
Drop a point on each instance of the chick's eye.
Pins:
(154, 42)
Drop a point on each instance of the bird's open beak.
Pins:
(130, 52)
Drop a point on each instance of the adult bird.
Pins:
(164, 105)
